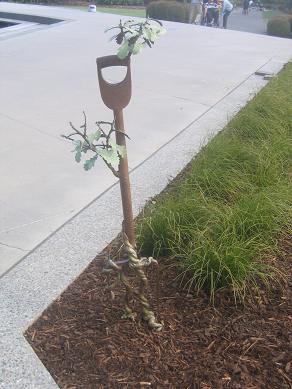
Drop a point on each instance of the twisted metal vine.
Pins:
(136, 264)
(132, 37)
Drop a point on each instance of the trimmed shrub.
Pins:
(178, 12)
(279, 26)
(120, 2)
(168, 10)
(283, 5)
(80, 2)
(289, 17)
(155, 9)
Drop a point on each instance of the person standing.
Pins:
(245, 7)
(212, 13)
(195, 10)
(204, 12)
(227, 7)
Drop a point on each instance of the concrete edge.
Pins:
(36, 281)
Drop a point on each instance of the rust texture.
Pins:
(116, 97)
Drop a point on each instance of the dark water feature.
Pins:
(4, 24)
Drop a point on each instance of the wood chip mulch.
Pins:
(84, 343)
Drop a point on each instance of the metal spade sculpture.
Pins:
(131, 37)
(117, 97)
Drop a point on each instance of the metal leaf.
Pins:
(90, 163)
(111, 156)
(123, 50)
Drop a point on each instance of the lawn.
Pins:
(124, 11)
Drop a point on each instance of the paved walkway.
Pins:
(253, 22)
(48, 76)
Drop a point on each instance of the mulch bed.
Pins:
(84, 343)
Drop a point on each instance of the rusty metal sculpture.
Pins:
(132, 36)
(117, 97)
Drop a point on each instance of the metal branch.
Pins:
(113, 170)
(91, 146)
(68, 137)
(77, 132)
(104, 134)
(116, 130)
(85, 123)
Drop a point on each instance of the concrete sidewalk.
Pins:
(253, 22)
(48, 77)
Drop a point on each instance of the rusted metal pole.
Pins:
(125, 180)
(117, 97)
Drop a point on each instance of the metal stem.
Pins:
(125, 180)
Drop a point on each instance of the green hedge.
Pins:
(289, 17)
(77, 2)
(119, 2)
(169, 10)
(280, 26)
(284, 5)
